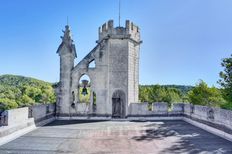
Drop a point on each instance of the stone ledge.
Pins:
(9, 133)
(6, 130)
(16, 134)
(209, 129)
(147, 118)
(48, 116)
(210, 124)
(213, 128)
(83, 118)
(62, 115)
(157, 115)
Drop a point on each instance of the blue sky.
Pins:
(183, 40)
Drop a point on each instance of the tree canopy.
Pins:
(165, 93)
(226, 81)
(19, 91)
(201, 94)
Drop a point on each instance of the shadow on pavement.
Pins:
(71, 122)
(189, 139)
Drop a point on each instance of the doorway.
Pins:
(118, 104)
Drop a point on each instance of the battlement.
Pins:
(129, 31)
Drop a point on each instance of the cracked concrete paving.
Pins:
(117, 137)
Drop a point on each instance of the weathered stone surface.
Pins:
(177, 109)
(188, 109)
(42, 111)
(17, 116)
(215, 117)
(138, 109)
(114, 137)
(24, 118)
(160, 108)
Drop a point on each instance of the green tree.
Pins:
(25, 91)
(143, 94)
(172, 96)
(48, 95)
(157, 93)
(204, 95)
(226, 81)
(6, 104)
(26, 101)
(33, 92)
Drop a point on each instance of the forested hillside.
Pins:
(164, 93)
(182, 88)
(19, 91)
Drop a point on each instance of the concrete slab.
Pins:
(117, 137)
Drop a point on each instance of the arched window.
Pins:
(118, 104)
(92, 64)
(84, 89)
(94, 102)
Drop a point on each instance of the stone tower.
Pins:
(123, 46)
(67, 53)
(114, 79)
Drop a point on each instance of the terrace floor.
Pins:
(117, 137)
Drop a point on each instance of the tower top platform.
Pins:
(130, 31)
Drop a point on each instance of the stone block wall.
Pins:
(200, 112)
(82, 108)
(22, 115)
(158, 109)
(42, 111)
(138, 109)
(15, 116)
(188, 109)
(215, 117)
(223, 117)
(38, 113)
(25, 119)
(177, 109)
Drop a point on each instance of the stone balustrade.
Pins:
(158, 109)
(42, 112)
(215, 117)
(36, 113)
(220, 119)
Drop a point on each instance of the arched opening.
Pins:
(92, 64)
(118, 104)
(73, 99)
(94, 102)
(84, 89)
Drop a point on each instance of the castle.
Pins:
(114, 79)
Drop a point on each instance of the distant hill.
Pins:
(184, 89)
(17, 81)
(164, 93)
(17, 91)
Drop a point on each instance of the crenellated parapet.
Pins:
(130, 31)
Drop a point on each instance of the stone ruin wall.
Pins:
(215, 117)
